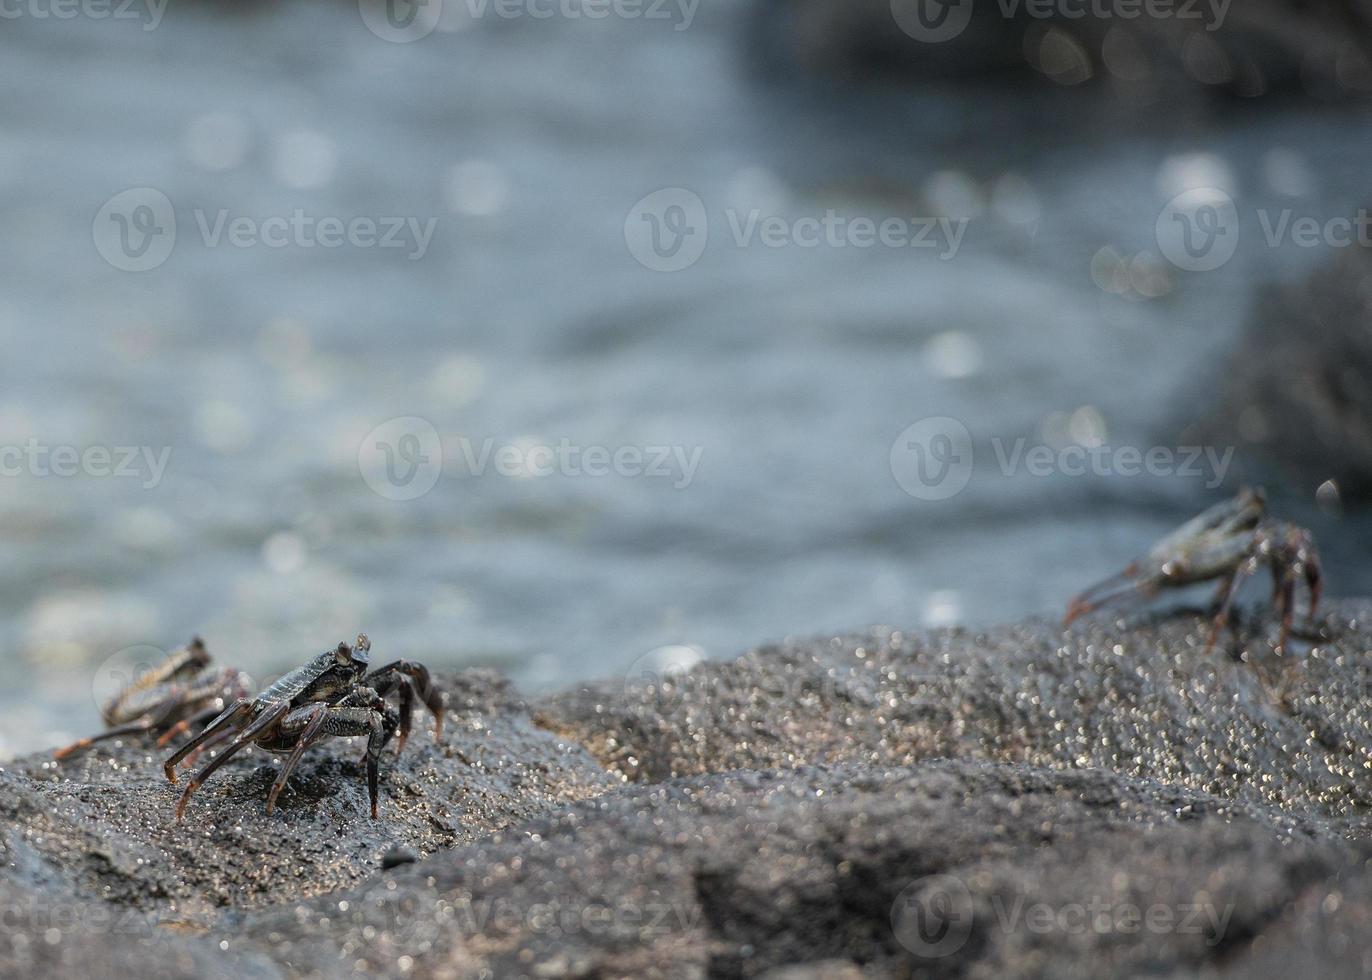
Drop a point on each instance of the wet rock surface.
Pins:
(1021, 801)
(1147, 701)
(101, 824)
(742, 873)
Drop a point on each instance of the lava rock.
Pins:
(1296, 391)
(1024, 801)
(1146, 701)
(1246, 49)
(397, 856)
(101, 824)
(941, 869)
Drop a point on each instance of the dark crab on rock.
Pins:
(331, 695)
(1226, 543)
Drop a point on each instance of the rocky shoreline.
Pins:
(1022, 801)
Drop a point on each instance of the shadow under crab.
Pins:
(331, 695)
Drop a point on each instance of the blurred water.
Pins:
(527, 321)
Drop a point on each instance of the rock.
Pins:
(1296, 391)
(1246, 49)
(1022, 801)
(1018, 871)
(1146, 701)
(100, 824)
(396, 856)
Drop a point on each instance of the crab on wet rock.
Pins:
(332, 694)
(172, 698)
(1226, 543)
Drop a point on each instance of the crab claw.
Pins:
(1124, 584)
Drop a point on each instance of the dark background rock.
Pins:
(1255, 47)
(1297, 390)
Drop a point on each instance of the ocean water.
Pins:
(534, 430)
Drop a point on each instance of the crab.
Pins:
(331, 694)
(170, 697)
(1228, 542)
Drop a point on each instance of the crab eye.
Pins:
(343, 654)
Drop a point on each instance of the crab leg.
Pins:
(232, 715)
(155, 716)
(1287, 605)
(208, 746)
(1229, 588)
(362, 721)
(411, 678)
(1093, 599)
(269, 717)
(184, 726)
(145, 724)
(312, 718)
(1313, 581)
